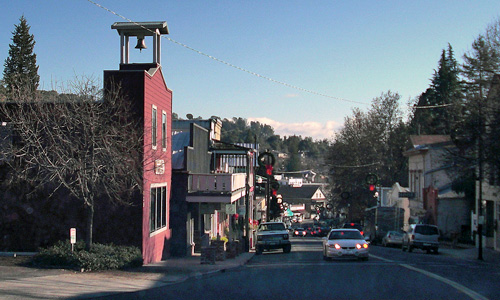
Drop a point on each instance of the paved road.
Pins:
(302, 274)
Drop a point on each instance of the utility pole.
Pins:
(479, 201)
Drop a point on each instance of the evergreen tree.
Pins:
(21, 72)
(480, 64)
(435, 112)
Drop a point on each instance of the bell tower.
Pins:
(140, 30)
(143, 86)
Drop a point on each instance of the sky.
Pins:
(299, 66)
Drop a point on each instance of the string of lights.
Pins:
(357, 166)
(431, 106)
(228, 63)
(246, 70)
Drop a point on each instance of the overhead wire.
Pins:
(357, 166)
(244, 69)
(228, 63)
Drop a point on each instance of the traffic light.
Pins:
(274, 208)
(269, 170)
(372, 188)
(274, 185)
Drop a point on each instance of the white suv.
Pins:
(421, 236)
(272, 235)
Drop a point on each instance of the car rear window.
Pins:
(345, 235)
(426, 230)
(353, 225)
(269, 227)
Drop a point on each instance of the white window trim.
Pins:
(154, 128)
(167, 218)
(164, 113)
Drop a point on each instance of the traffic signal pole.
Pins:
(268, 199)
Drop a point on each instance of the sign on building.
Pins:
(295, 182)
(409, 195)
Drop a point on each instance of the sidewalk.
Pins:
(17, 282)
(468, 252)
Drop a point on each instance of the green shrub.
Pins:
(100, 257)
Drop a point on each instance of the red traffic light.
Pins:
(372, 187)
(269, 170)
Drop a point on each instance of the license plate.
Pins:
(427, 244)
(273, 243)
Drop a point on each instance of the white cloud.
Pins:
(316, 130)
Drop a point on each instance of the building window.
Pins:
(153, 127)
(158, 208)
(164, 130)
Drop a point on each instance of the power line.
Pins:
(230, 64)
(431, 106)
(358, 166)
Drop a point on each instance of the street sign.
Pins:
(72, 235)
(230, 209)
(410, 195)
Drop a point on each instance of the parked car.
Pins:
(272, 235)
(421, 236)
(392, 238)
(347, 242)
(299, 232)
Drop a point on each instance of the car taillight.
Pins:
(358, 246)
(361, 232)
(296, 232)
(337, 246)
(365, 246)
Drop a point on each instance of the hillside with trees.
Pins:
(301, 153)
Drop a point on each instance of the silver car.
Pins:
(345, 243)
(421, 236)
(392, 238)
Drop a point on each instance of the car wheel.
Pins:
(287, 248)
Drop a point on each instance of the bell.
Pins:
(140, 44)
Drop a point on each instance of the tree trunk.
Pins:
(90, 226)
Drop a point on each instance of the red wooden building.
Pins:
(144, 86)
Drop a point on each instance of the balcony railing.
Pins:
(220, 182)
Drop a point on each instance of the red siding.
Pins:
(155, 245)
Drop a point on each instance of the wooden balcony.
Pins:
(217, 188)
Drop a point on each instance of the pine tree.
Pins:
(21, 72)
(480, 65)
(441, 100)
